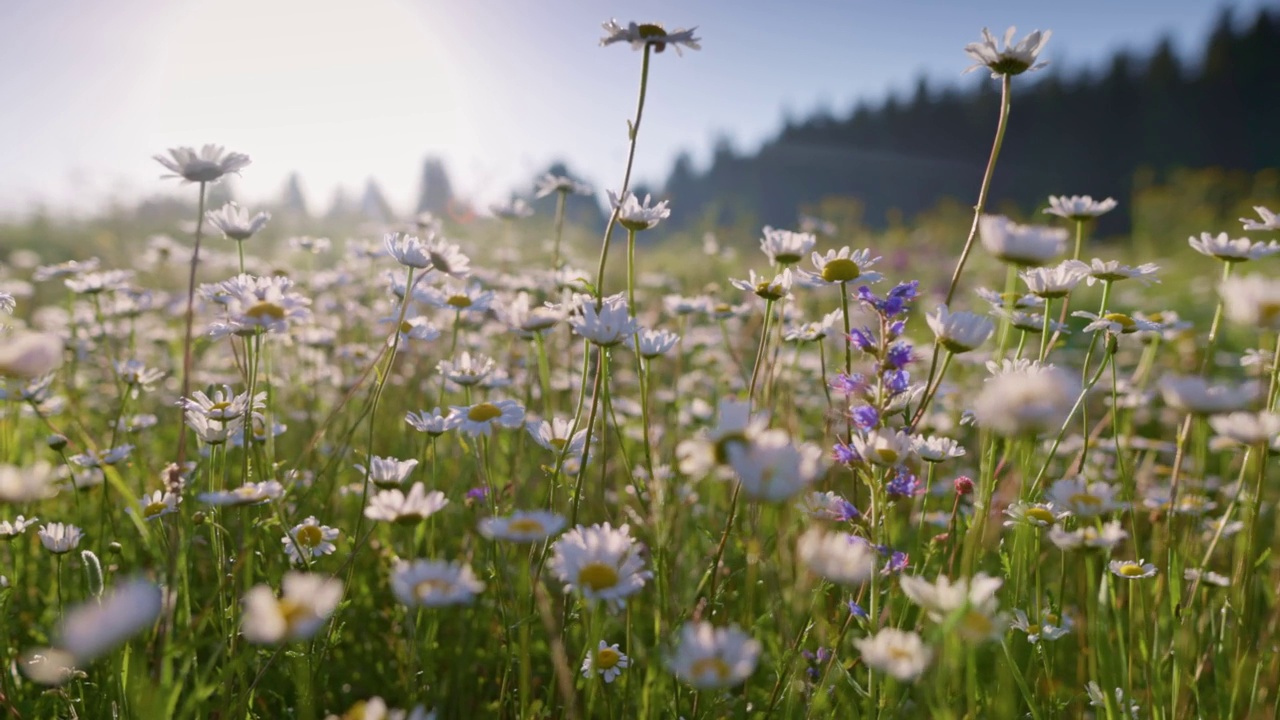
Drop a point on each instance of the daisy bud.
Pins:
(56, 441)
(115, 548)
(92, 572)
(964, 485)
(198, 518)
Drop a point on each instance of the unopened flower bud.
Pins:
(57, 441)
(964, 485)
(198, 518)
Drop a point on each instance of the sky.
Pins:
(341, 91)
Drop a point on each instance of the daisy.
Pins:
(1012, 59)
(10, 530)
(711, 658)
(1057, 281)
(60, 539)
(1027, 400)
(1252, 301)
(266, 307)
(1131, 570)
(515, 209)
(607, 660)
(470, 298)
(1247, 428)
(222, 405)
(936, 449)
(1222, 247)
(408, 250)
(884, 447)
(1270, 221)
(206, 166)
(608, 325)
(974, 598)
(97, 626)
(1027, 245)
(522, 526)
(1112, 271)
(555, 435)
(1037, 514)
(959, 332)
(841, 558)
(446, 257)
(649, 34)
(519, 314)
(635, 215)
(601, 562)
(309, 540)
(828, 506)
(998, 300)
(551, 183)
(844, 266)
(1051, 626)
(468, 370)
(1078, 207)
(433, 423)
(387, 472)
(653, 343)
(1082, 498)
(784, 247)
(1206, 576)
(434, 583)
(902, 655)
(1088, 536)
(773, 469)
(26, 484)
(135, 374)
(710, 450)
(1115, 323)
(235, 223)
(1195, 394)
(7, 302)
(479, 419)
(248, 494)
(26, 355)
(308, 600)
(159, 504)
(405, 509)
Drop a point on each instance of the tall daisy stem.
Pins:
(186, 340)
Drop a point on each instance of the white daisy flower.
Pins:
(601, 562)
(635, 215)
(433, 423)
(1269, 221)
(961, 331)
(900, 654)
(1252, 301)
(1206, 576)
(1130, 570)
(1011, 59)
(10, 530)
(1056, 281)
(550, 183)
(1082, 498)
(936, 449)
(206, 166)
(434, 583)
(27, 355)
(711, 658)
(841, 558)
(1037, 514)
(1050, 627)
(1088, 536)
(480, 419)
(608, 325)
(235, 223)
(653, 343)
(248, 494)
(784, 247)
(1026, 399)
(639, 35)
(843, 266)
(159, 504)
(60, 539)
(1078, 207)
(607, 661)
(387, 472)
(396, 506)
(1112, 271)
(522, 526)
(309, 540)
(20, 485)
(1116, 323)
(773, 469)
(1027, 245)
(307, 601)
(97, 626)
(1226, 249)
(1247, 428)
(775, 288)
(1195, 394)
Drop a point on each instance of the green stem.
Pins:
(190, 321)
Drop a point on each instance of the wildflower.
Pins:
(1270, 221)
(446, 257)
(1051, 626)
(828, 506)
(527, 321)
(308, 600)
(7, 302)
(959, 332)
(1088, 536)
(608, 325)
(434, 423)
(210, 164)
(1115, 323)
(480, 418)
(1027, 399)
(250, 493)
(235, 223)
(98, 458)
(635, 215)
(223, 405)
(309, 540)
(27, 355)
(710, 658)
(97, 626)
(735, 426)
(1057, 281)
(776, 288)
(1131, 570)
(555, 436)
(135, 374)
(973, 598)
(405, 509)
(843, 266)
(522, 526)
(515, 209)
(884, 447)
(1037, 514)
(841, 558)
(1195, 394)
(1113, 271)
(1226, 249)
(1012, 59)
(1247, 428)
(1078, 207)
(408, 250)
(936, 449)
(10, 530)
(550, 183)
(23, 485)
(894, 302)
(1082, 498)
(1028, 245)
(903, 485)
(468, 370)
(387, 472)
(607, 660)
(649, 34)
(1206, 576)
(434, 583)
(60, 539)
(784, 247)
(998, 301)
(1252, 301)
(772, 468)
(600, 562)
(159, 504)
(653, 343)
(902, 655)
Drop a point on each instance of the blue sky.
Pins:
(344, 91)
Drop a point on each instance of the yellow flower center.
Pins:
(1051, 618)
(713, 666)
(429, 587)
(1033, 629)
(606, 658)
(1268, 313)
(558, 443)
(722, 446)
(525, 526)
(154, 509)
(900, 653)
(409, 518)
(264, 309)
(1039, 514)
(459, 301)
(651, 30)
(1132, 570)
(1086, 500)
(598, 576)
(293, 612)
(406, 326)
(309, 536)
(1125, 322)
(484, 412)
(841, 270)
(975, 624)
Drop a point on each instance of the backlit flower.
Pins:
(639, 35)
(709, 657)
(635, 215)
(434, 583)
(601, 562)
(1078, 207)
(1011, 59)
(900, 654)
(1027, 245)
(208, 165)
(606, 660)
(307, 601)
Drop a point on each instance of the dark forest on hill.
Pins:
(1070, 132)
